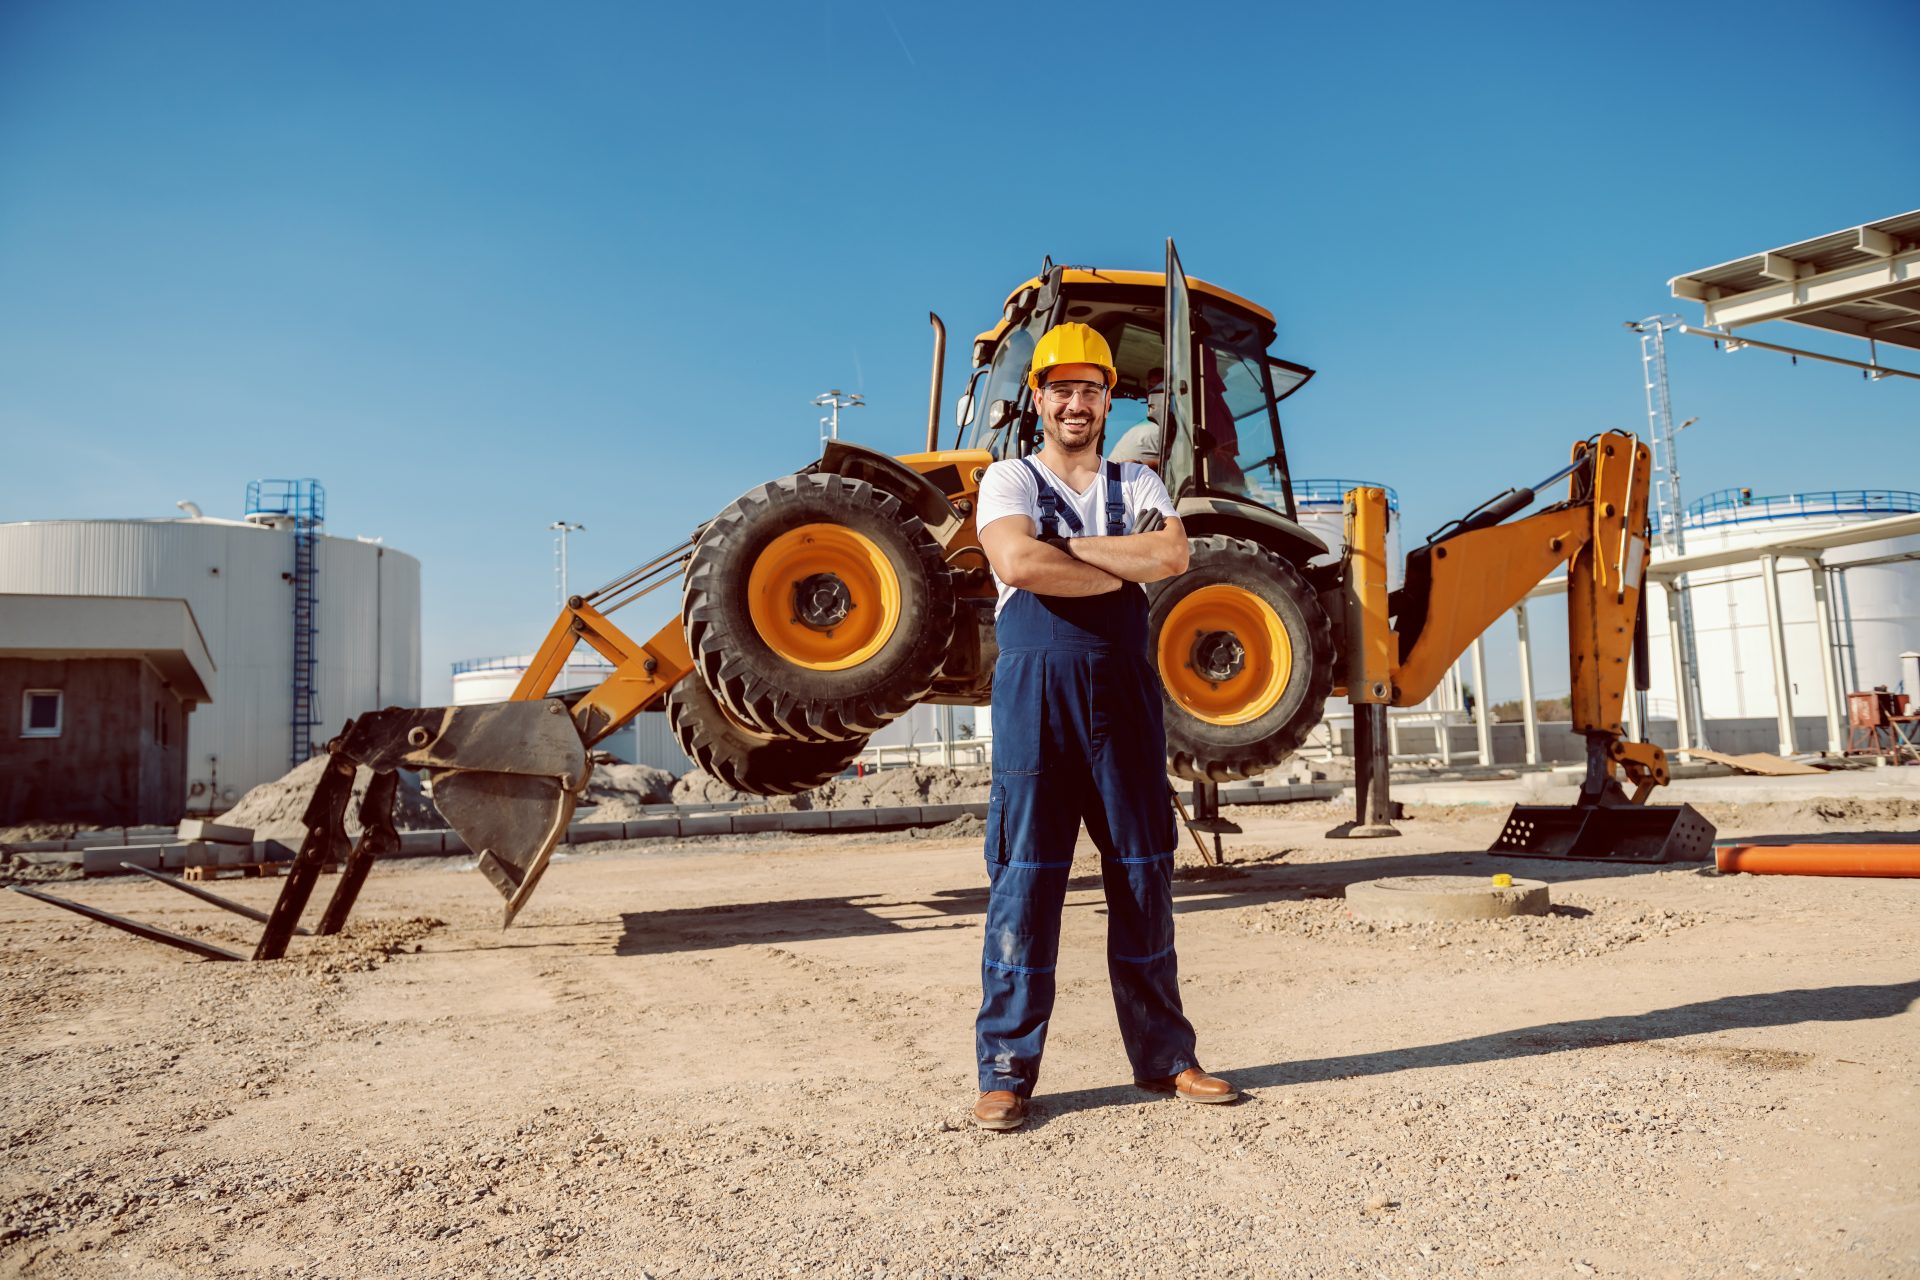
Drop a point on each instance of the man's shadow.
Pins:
(1724, 1013)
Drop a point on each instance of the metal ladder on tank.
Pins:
(304, 503)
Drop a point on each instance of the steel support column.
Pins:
(1829, 675)
(1482, 713)
(1529, 714)
(1777, 636)
(1682, 705)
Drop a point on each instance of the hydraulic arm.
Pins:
(1399, 646)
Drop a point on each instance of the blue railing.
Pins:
(519, 662)
(1334, 492)
(1740, 506)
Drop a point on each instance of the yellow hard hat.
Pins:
(1071, 343)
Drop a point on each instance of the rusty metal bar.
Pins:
(152, 933)
(194, 890)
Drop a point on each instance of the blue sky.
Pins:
(480, 267)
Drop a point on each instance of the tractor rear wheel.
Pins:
(744, 758)
(818, 608)
(1245, 655)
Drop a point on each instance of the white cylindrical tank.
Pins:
(646, 739)
(1322, 505)
(1873, 590)
(494, 679)
(237, 578)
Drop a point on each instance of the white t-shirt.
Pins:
(1011, 489)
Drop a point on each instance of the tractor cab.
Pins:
(1210, 413)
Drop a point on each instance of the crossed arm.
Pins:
(1088, 566)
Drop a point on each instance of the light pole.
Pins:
(562, 528)
(834, 401)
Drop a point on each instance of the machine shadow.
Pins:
(1252, 882)
(1724, 1013)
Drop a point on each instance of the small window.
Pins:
(40, 713)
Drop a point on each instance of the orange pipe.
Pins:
(1819, 859)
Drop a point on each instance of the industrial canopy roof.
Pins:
(1864, 281)
(160, 631)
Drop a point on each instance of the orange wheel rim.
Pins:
(1224, 655)
(824, 597)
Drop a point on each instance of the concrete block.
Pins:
(806, 820)
(187, 853)
(231, 855)
(219, 833)
(852, 819)
(652, 828)
(452, 843)
(932, 815)
(272, 851)
(746, 824)
(112, 835)
(707, 824)
(594, 832)
(106, 861)
(902, 816)
(416, 843)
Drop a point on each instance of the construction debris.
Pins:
(1756, 762)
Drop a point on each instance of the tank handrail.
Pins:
(1740, 506)
(519, 661)
(1335, 491)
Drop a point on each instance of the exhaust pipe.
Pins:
(939, 368)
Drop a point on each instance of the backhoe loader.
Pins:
(819, 606)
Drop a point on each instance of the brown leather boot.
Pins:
(1192, 1085)
(1001, 1109)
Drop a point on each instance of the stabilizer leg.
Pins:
(326, 840)
(1372, 803)
(377, 839)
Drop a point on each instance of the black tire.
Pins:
(805, 524)
(1286, 703)
(743, 758)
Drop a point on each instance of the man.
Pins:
(1141, 442)
(1077, 735)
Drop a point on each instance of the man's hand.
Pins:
(1021, 560)
(1137, 557)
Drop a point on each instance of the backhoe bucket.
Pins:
(1607, 833)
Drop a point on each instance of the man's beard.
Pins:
(1055, 433)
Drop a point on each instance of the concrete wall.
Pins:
(120, 759)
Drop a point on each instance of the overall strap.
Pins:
(1116, 502)
(1052, 510)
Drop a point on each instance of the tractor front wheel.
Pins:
(818, 608)
(744, 758)
(1245, 655)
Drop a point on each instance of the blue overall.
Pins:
(1077, 735)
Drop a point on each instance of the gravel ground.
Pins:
(752, 1058)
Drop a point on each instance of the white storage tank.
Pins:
(645, 739)
(1322, 505)
(1874, 590)
(238, 577)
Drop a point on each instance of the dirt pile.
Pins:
(700, 787)
(919, 785)
(274, 809)
(37, 868)
(1593, 926)
(1893, 814)
(639, 783)
(620, 792)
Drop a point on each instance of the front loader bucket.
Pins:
(1607, 833)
